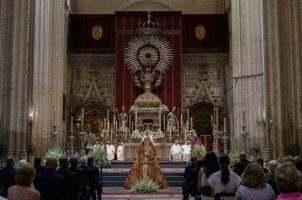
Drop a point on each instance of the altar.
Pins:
(162, 149)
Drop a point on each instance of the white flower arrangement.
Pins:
(234, 158)
(199, 151)
(191, 134)
(123, 129)
(164, 109)
(172, 129)
(133, 109)
(145, 185)
(158, 134)
(136, 135)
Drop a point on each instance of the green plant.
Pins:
(145, 185)
(198, 151)
(234, 158)
(100, 155)
(133, 109)
(54, 152)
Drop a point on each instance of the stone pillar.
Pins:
(248, 72)
(49, 56)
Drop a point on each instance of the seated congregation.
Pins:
(211, 179)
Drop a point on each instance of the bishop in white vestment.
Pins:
(120, 152)
(186, 151)
(110, 151)
(176, 152)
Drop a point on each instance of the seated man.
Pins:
(120, 152)
(186, 151)
(176, 152)
(110, 151)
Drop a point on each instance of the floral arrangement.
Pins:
(158, 134)
(198, 151)
(234, 158)
(164, 109)
(54, 152)
(133, 109)
(145, 185)
(123, 129)
(136, 135)
(191, 134)
(100, 155)
(172, 129)
(69, 154)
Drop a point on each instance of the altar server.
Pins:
(110, 151)
(186, 151)
(120, 152)
(176, 152)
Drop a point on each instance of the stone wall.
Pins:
(187, 6)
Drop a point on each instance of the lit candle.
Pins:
(180, 122)
(224, 125)
(71, 124)
(243, 116)
(82, 119)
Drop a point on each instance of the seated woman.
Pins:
(224, 182)
(288, 181)
(146, 165)
(253, 184)
(24, 188)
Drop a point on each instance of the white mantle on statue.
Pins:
(163, 151)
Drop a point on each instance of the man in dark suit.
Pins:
(90, 177)
(81, 176)
(241, 165)
(49, 183)
(7, 176)
(190, 179)
(71, 181)
(96, 173)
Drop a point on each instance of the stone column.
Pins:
(248, 72)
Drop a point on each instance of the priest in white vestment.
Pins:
(186, 151)
(120, 152)
(176, 152)
(110, 151)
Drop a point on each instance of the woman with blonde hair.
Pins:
(288, 181)
(23, 189)
(253, 185)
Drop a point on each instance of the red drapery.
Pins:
(126, 24)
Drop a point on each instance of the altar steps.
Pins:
(116, 175)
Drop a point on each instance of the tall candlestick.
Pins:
(108, 126)
(82, 119)
(159, 119)
(243, 117)
(217, 117)
(71, 124)
(135, 119)
(187, 124)
(180, 122)
(108, 114)
(177, 125)
(212, 120)
(185, 135)
(164, 122)
(191, 123)
(170, 136)
(54, 117)
(114, 122)
(214, 117)
(104, 124)
(129, 125)
(224, 125)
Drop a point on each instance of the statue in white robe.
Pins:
(186, 151)
(120, 152)
(176, 152)
(110, 151)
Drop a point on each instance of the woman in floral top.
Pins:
(253, 185)
(24, 189)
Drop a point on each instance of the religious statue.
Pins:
(171, 120)
(146, 165)
(123, 120)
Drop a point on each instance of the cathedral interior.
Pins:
(230, 66)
